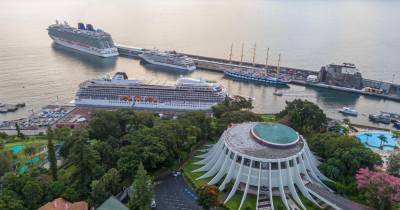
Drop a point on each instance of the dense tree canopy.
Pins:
(142, 190)
(381, 189)
(343, 155)
(208, 196)
(394, 164)
(304, 116)
(87, 162)
(109, 184)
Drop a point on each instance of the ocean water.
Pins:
(308, 34)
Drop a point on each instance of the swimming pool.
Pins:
(15, 149)
(372, 140)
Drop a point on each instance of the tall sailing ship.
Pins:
(84, 38)
(187, 94)
(168, 59)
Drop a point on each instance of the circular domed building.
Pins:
(265, 159)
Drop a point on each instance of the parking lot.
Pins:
(172, 193)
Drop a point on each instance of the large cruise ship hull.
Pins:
(145, 60)
(173, 106)
(108, 52)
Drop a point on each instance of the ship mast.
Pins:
(241, 56)
(278, 68)
(266, 61)
(254, 55)
(230, 54)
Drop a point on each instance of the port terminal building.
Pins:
(267, 160)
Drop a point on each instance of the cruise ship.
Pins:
(187, 94)
(84, 38)
(169, 59)
(255, 75)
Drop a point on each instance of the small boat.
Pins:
(348, 111)
(278, 94)
(397, 124)
(379, 118)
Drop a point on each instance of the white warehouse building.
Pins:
(266, 160)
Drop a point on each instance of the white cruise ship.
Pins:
(186, 95)
(84, 38)
(169, 59)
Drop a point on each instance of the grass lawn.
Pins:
(189, 167)
(249, 203)
(269, 117)
(8, 146)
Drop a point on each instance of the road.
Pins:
(172, 193)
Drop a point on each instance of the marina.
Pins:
(296, 76)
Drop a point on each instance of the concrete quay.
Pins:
(297, 76)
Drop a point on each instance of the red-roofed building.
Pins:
(61, 204)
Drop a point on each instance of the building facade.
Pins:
(266, 160)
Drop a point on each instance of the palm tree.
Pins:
(383, 138)
(367, 135)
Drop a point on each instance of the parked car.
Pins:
(153, 203)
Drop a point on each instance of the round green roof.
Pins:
(275, 134)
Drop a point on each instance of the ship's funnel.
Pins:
(81, 26)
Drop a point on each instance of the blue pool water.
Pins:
(24, 167)
(371, 140)
(16, 149)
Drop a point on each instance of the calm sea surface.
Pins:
(307, 33)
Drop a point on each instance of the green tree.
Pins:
(19, 133)
(208, 196)
(32, 193)
(104, 124)
(304, 116)
(234, 103)
(70, 194)
(343, 155)
(199, 120)
(142, 190)
(10, 200)
(236, 117)
(394, 164)
(383, 139)
(51, 153)
(55, 189)
(108, 154)
(145, 146)
(109, 184)
(5, 162)
(87, 162)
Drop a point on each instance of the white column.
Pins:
(301, 186)
(237, 181)
(222, 170)
(217, 166)
(281, 189)
(313, 173)
(292, 189)
(270, 186)
(211, 154)
(247, 184)
(258, 185)
(313, 163)
(303, 167)
(229, 175)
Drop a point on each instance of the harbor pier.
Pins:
(374, 88)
